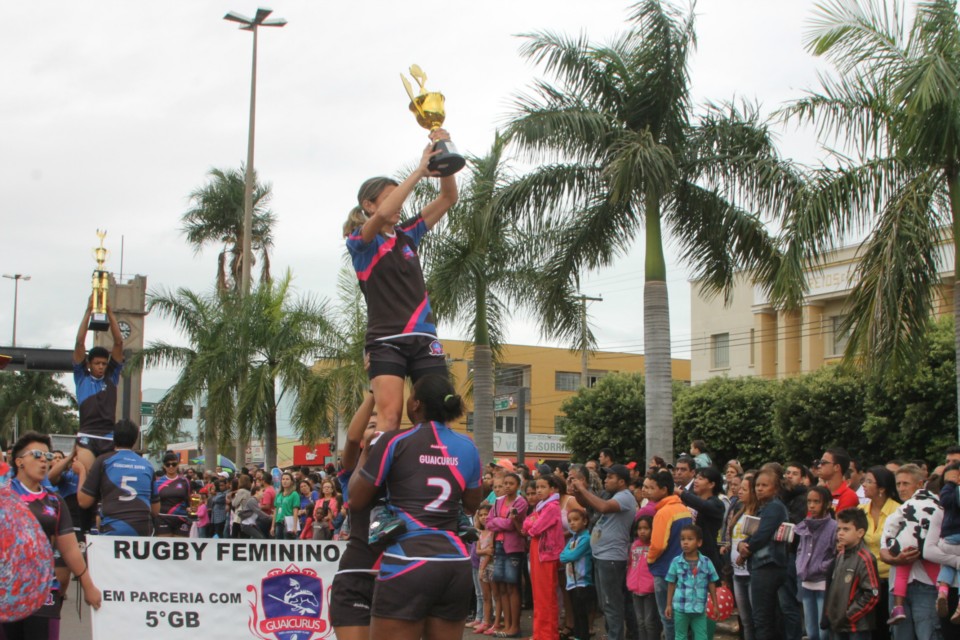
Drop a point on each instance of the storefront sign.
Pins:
(534, 443)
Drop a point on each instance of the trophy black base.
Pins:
(99, 322)
(448, 161)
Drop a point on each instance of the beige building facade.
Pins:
(752, 337)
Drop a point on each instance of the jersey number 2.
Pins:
(132, 491)
(437, 505)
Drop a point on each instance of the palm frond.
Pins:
(891, 304)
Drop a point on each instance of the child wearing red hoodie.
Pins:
(546, 542)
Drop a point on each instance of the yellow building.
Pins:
(552, 375)
(751, 337)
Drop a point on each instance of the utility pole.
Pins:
(584, 337)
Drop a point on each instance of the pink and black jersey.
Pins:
(391, 279)
(50, 511)
(425, 470)
(174, 494)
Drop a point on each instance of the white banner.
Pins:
(211, 588)
(541, 444)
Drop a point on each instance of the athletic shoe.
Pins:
(897, 615)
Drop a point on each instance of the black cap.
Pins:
(620, 471)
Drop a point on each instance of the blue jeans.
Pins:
(790, 602)
(812, 612)
(741, 594)
(947, 573)
(660, 591)
(920, 606)
(611, 577)
(765, 583)
(479, 590)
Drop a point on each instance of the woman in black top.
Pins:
(705, 500)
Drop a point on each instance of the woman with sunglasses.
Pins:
(174, 492)
(32, 459)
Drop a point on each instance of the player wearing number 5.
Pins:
(430, 472)
(123, 483)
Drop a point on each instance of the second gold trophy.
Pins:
(428, 107)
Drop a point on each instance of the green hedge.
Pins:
(876, 416)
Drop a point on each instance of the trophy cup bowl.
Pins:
(428, 107)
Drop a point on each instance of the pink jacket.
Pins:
(544, 523)
(501, 524)
(639, 578)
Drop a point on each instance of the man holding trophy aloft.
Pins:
(96, 373)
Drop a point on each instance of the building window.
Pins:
(509, 376)
(558, 423)
(567, 381)
(570, 381)
(506, 424)
(720, 346)
(753, 346)
(840, 337)
(470, 421)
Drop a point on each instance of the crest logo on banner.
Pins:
(291, 601)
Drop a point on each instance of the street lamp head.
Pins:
(16, 276)
(249, 24)
(233, 16)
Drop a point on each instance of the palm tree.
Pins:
(893, 110)
(481, 265)
(210, 367)
(216, 216)
(619, 149)
(280, 339)
(340, 378)
(37, 401)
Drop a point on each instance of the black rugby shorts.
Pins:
(351, 597)
(435, 589)
(413, 356)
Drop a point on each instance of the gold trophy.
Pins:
(428, 107)
(195, 500)
(99, 321)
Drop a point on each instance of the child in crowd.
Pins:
(949, 535)
(203, 520)
(483, 571)
(546, 542)
(640, 582)
(815, 553)
(578, 563)
(690, 580)
(530, 493)
(854, 589)
(509, 546)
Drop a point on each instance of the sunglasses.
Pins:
(171, 464)
(36, 454)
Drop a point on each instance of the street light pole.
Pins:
(16, 277)
(251, 24)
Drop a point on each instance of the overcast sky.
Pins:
(112, 112)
